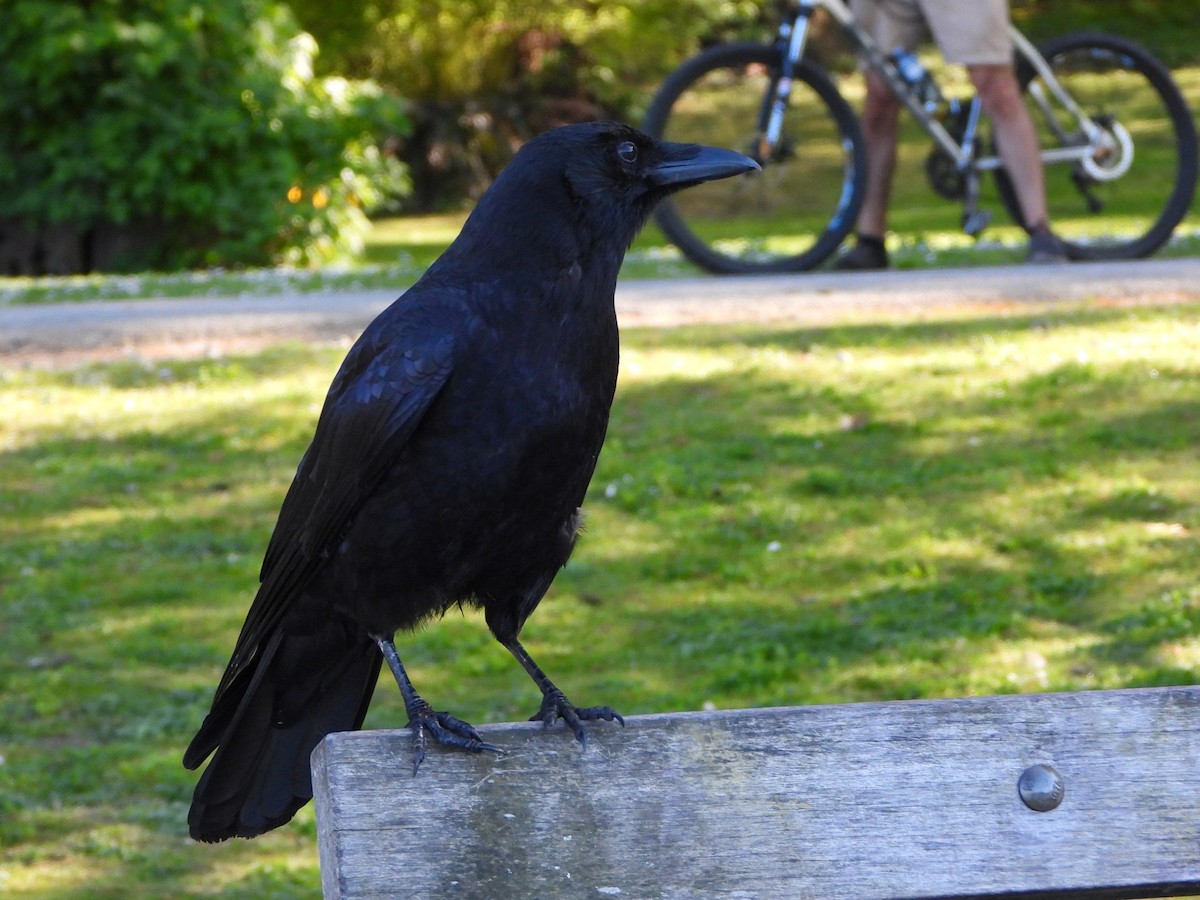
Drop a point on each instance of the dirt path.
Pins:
(70, 333)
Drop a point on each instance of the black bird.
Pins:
(447, 467)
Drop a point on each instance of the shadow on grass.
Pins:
(818, 531)
(922, 334)
(995, 534)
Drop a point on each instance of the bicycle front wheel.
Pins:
(794, 213)
(1124, 202)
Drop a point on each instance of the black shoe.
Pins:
(867, 254)
(1046, 247)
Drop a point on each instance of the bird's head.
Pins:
(618, 173)
(591, 185)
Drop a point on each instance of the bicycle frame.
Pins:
(1084, 92)
(793, 33)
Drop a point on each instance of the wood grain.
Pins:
(871, 800)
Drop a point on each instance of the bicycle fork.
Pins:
(795, 34)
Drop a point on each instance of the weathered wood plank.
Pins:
(870, 800)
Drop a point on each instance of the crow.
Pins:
(447, 467)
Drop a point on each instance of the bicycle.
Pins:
(1117, 138)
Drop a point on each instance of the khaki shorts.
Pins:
(969, 32)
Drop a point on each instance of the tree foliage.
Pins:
(484, 75)
(195, 129)
(1168, 30)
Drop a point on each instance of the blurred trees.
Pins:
(482, 76)
(172, 133)
(1167, 29)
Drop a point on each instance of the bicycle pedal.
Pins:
(975, 223)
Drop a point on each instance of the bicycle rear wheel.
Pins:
(794, 213)
(1107, 213)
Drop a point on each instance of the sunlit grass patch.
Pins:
(873, 509)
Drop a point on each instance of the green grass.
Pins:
(967, 504)
(397, 251)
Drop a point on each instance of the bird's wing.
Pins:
(375, 403)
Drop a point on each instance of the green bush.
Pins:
(197, 131)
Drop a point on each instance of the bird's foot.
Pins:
(556, 706)
(446, 729)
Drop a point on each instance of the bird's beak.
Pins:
(688, 164)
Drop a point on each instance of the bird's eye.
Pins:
(628, 151)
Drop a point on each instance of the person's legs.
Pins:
(896, 23)
(1016, 138)
(980, 40)
(1017, 142)
(879, 124)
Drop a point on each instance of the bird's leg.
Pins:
(555, 704)
(423, 719)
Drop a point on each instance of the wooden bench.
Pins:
(869, 800)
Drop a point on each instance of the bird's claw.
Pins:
(556, 706)
(448, 731)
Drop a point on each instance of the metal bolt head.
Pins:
(1041, 788)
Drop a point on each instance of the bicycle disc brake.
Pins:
(1112, 151)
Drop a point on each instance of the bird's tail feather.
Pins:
(266, 724)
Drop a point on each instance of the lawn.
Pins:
(972, 503)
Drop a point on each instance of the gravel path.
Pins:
(67, 333)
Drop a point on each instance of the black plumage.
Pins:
(448, 466)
